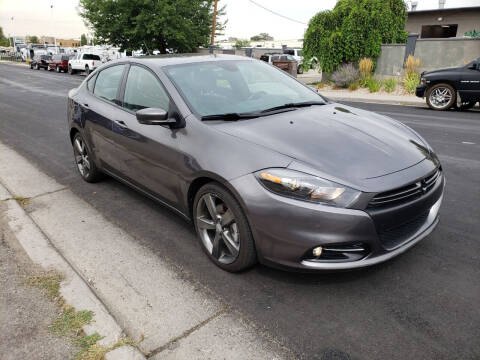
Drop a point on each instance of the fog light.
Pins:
(317, 251)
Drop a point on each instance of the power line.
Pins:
(276, 13)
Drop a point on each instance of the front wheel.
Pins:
(37, 67)
(70, 70)
(84, 162)
(441, 97)
(223, 228)
(57, 69)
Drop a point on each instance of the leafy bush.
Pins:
(353, 86)
(354, 29)
(410, 82)
(366, 67)
(390, 84)
(373, 84)
(363, 82)
(345, 75)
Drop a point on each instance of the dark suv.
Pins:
(40, 61)
(456, 87)
(59, 62)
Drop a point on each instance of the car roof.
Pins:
(176, 59)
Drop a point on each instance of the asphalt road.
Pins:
(422, 305)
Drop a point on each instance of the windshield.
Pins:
(243, 86)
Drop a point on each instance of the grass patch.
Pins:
(90, 350)
(50, 282)
(390, 84)
(23, 201)
(70, 322)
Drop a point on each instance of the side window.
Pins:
(91, 83)
(143, 90)
(108, 81)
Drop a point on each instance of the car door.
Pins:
(150, 154)
(470, 83)
(101, 107)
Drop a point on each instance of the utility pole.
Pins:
(214, 23)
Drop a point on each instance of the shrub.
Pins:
(374, 85)
(353, 86)
(345, 75)
(412, 65)
(365, 66)
(364, 81)
(354, 29)
(390, 84)
(410, 82)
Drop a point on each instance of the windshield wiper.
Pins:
(294, 105)
(231, 116)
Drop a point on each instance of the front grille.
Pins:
(406, 193)
(395, 236)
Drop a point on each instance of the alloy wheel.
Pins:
(81, 157)
(218, 228)
(440, 97)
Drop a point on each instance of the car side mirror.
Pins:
(154, 116)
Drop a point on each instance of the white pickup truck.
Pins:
(84, 62)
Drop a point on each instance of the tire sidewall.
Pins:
(94, 174)
(247, 254)
(450, 104)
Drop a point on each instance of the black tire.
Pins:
(57, 69)
(87, 70)
(300, 69)
(439, 102)
(31, 66)
(247, 255)
(91, 173)
(70, 70)
(37, 67)
(45, 68)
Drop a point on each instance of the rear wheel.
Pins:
(441, 97)
(70, 70)
(223, 228)
(57, 69)
(37, 67)
(87, 70)
(84, 162)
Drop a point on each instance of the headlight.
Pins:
(423, 81)
(306, 187)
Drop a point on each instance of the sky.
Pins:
(245, 19)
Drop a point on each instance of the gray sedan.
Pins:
(266, 168)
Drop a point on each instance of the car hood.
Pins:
(440, 71)
(343, 142)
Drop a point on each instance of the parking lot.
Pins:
(421, 305)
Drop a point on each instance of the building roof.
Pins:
(445, 10)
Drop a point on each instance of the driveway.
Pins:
(421, 305)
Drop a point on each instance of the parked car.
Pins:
(40, 62)
(59, 62)
(298, 56)
(265, 167)
(271, 57)
(84, 62)
(456, 87)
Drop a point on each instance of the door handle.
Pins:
(121, 124)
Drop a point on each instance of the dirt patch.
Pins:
(25, 311)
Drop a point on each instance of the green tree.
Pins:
(33, 39)
(179, 25)
(262, 37)
(3, 40)
(83, 40)
(241, 43)
(354, 29)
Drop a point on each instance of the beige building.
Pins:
(68, 43)
(443, 23)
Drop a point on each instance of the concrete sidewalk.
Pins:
(130, 289)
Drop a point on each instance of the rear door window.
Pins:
(108, 82)
(144, 90)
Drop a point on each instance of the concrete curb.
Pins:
(73, 288)
(376, 101)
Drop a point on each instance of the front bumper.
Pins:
(286, 230)
(421, 90)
